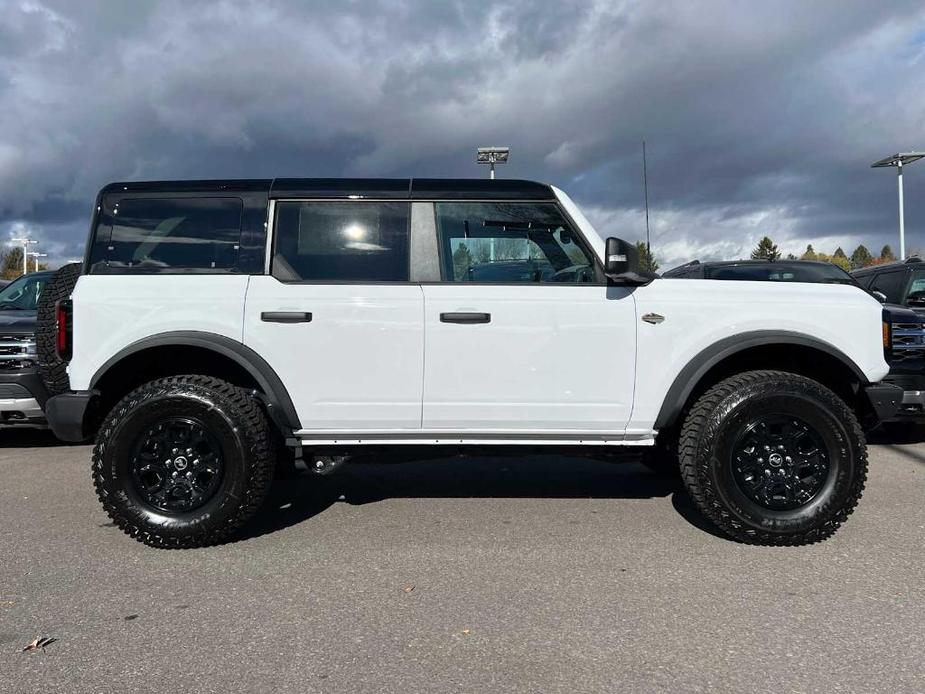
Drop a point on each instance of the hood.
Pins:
(15, 322)
(901, 314)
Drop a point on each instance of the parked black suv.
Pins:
(22, 392)
(901, 286)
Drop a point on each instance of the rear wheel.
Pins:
(52, 369)
(773, 458)
(183, 461)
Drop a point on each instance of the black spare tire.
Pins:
(52, 369)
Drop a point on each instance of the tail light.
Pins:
(64, 334)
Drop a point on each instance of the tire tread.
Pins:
(693, 462)
(250, 416)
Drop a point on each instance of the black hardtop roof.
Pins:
(353, 188)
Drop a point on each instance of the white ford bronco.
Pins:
(217, 328)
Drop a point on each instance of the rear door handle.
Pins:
(465, 318)
(286, 317)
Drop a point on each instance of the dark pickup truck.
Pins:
(900, 286)
(22, 393)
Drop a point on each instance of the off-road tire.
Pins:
(229, 413)
(52, 369)
(706, 462)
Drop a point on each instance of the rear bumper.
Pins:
(67, 414)
(885, 400)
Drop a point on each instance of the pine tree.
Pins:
(766, 250)
(839, 253)
(647, 261)
(810, 254)
(861, 257)
(886, 254)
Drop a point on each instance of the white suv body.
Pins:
(536, 338)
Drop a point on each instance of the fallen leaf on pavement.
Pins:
(409, 588)
(466, 632)
(38, 645)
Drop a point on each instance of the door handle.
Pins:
(286, 317)
(465, 318)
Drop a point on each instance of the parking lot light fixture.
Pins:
(37, 255)
(492, 156)
(899, 160)
(26, 242)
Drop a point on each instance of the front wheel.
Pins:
(773, 458)
(183, 461)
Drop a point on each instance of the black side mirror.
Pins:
(915, 299)
(621, 263)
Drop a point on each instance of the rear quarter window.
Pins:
(168, 234)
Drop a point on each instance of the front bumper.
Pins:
(885, 400)
(67, 414)
(22, 398)
(912, 402)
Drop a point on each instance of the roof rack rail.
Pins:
(914, 259)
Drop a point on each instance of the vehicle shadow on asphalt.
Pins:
(297, 499)
(12, 437)
(897, 433)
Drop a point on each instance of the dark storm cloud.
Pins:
(760, 117)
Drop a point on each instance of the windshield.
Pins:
(23, 293)
(780, 272)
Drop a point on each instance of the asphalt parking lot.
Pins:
(543, 574)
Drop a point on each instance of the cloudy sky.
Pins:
(760, 118)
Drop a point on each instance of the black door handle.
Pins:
(286, 317)
(465, 318)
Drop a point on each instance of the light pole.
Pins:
(899, 160)
(492, 156)
(26, 242)
(37, 255)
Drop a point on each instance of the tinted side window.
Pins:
(864, 281)
(511, 242)
(341, 241)
(891, 284)
(169, 233)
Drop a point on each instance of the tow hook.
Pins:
(326, 464)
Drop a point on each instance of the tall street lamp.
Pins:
(899, 160)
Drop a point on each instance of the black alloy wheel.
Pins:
(176, 465)
(779, 461)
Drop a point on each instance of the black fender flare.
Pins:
(279, 403)
(697, 368)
